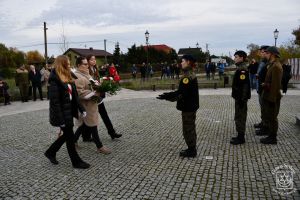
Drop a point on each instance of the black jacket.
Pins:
(261, 72)
(35, 78)
(241, 84)
(187, 95)
(62, 109)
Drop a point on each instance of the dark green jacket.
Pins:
(22, 77)
(271, 87)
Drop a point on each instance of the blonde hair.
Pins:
(62, 68)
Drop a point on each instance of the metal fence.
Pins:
(295, 63)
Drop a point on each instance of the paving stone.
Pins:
(145, 162)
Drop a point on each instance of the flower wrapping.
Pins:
(106, 84)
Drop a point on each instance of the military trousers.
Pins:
(24, 91)
(240, 116)
(270, 114)
(189, 128)
(260, 100)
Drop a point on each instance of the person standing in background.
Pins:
(252, 72)
(22, 82)
(35, 78)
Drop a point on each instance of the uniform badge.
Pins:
(185, 80)
(242, 77)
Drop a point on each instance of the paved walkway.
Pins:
(145, 162)
(19, 107)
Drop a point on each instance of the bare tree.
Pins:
(64, 44)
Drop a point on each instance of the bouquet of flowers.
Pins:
(106, 84)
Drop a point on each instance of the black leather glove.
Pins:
(161, 96)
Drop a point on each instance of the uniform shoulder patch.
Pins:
(185, 80)
(242, 76)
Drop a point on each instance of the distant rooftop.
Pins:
(160, 47)
(85, 52)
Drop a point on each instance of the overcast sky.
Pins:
(225, 25)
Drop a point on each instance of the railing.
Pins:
(173, 86)
(295, 63)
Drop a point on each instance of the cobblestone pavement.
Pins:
(145, 162)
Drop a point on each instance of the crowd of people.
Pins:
(146, 70)
(211, 67)
(71, 96)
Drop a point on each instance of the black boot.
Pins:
(189, 153)
(81, 165)
(115, 135)
(51, 158)
(240, 139)
(262, 131)
(259, 125)
(269, 140)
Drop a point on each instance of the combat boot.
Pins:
(269, 140)
(240, 139)
(258, 125)
(262, 131)
(189, 153)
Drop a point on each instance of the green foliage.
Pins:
(10, 58)
(116, 55)
(34, 57)
(296, 33)
(253, 51)
(138, 55)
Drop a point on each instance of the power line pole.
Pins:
(45, 40)
(206, 45)
(105, 51)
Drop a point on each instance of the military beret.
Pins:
(241, 54)
(263, 47)
(273, 50)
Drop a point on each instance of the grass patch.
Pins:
(167, 84)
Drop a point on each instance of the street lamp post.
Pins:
(117, 52)
(147, 42)
(276, 32)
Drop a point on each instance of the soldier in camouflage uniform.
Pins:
(187, 97)
(271, 95)
(22, 82)
(241, 93)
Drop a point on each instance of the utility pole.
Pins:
(206, 46)
(45, 40)
(105, 51)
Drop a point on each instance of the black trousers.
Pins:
(84, 129)
(105, 119)
(69, 138)
(39, 87)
